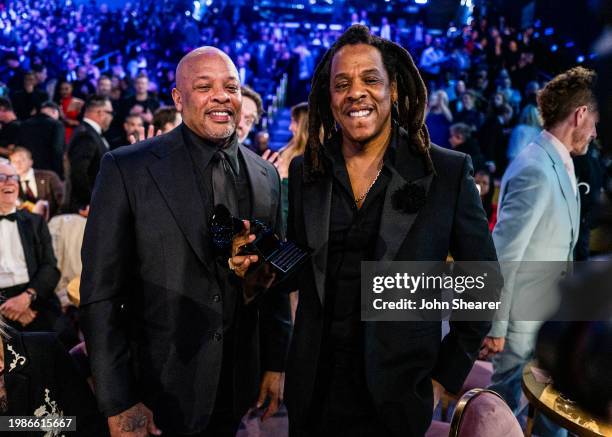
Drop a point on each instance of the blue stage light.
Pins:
(570, 44)
(420, 2)
(549, 31)
(554, 48)
(580, 59)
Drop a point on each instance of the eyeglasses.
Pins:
(8, 177)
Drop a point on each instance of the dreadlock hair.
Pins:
(409, 112)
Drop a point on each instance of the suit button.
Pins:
(217, 298)
(217, 336)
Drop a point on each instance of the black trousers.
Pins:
(342, 404)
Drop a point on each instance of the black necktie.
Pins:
(10, 217)
(224, 183)
(29, 194)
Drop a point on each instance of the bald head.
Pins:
(207, 94)
(191, 60)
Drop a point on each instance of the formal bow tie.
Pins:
(10, 217)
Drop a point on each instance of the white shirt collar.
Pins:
(29, 176)
(93, 124)
(11, 211)
(559, 147)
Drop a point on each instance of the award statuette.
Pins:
(284, 256)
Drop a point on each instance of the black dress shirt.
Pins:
(352, 238)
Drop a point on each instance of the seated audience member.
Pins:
(38, 378)
(461, 140)
(132, 125)
(9, 127)
(67, 236)
(34, 184)
(439, 119)
(28, 272)
(166, 118)
(43, 135)
(528, 127)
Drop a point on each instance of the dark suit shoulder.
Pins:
(45, 174)
(25, 215)
(160, 146)
(258, 159)
(445, 160)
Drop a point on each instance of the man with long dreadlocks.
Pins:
(353, 198)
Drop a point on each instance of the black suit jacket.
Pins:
(151, 303)
(36, 362)
(400, 357)
(85, 152)
(44, 137)
(40, 259)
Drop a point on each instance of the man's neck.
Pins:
(563, 133)
(6, 209)
(142, 96)
(372, 151)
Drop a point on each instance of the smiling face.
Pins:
(208, 94)
(9, 190)
(361, 93)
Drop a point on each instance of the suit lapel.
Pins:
(261, 197)
(15, 379)
(178, 185)
(395, 224)
(27, 241)
(317, 207)
(42, 187)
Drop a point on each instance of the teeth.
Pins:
(220, 113)
(360, 113)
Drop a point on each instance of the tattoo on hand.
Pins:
(131, 422)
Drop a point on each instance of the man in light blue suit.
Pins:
(538, 220)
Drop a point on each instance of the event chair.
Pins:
(479, 413)
(479, 377)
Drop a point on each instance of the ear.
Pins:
(579, 114)
(178, 99)
(394, 93)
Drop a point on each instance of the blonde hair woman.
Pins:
(297, 145)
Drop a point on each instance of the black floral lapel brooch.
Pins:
(409, 198)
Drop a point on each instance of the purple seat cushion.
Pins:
(275, 426)
(479, 376)
(438, 429)
(488, 415)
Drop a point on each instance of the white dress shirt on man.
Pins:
(13, 267)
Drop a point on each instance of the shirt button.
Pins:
(217, 336)
(216, 298)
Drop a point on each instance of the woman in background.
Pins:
(439, 118)
(528, 127)
(71, 107)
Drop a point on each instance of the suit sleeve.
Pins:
(520, 209)
(107, 254)
(47, 275)
(275, 313)
(57, 189)
(470, 241)
(80, 155)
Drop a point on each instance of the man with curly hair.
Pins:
(538, 220)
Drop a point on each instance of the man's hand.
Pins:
(273, 158)
(491, 346)
(438, 391)
(240, 263)
(272, 386)
(140, 134)
(136, 421)
(27, 317)
(15, 306)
